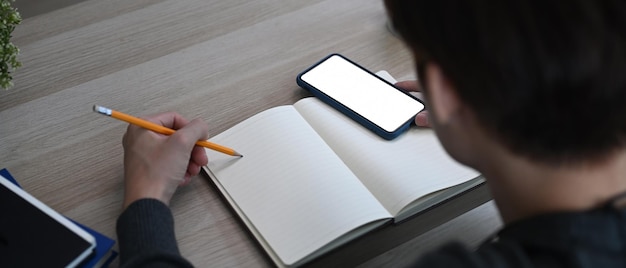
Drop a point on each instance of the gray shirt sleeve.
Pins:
(146, 237)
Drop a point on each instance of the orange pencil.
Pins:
(159, 129)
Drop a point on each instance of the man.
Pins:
(530, 93)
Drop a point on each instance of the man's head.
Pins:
(546, 78)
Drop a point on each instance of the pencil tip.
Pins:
(238, 154)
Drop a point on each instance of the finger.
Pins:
(193, 169)
(421, 119)
(198, 156)
(197, 128)
(410, 85)
(187, 136)
(171, 120)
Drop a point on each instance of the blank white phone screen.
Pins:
(363, 93)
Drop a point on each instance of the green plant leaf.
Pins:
(9, 19)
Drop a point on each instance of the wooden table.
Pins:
(221, 61)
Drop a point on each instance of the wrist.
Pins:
(146, 191)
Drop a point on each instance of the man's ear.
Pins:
(443, 100)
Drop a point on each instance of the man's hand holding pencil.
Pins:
(161, 152)
(155, 164)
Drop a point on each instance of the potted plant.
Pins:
(9, 18)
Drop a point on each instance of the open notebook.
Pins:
(312, 179)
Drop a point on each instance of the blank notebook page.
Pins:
(397, 172)
(290, 185)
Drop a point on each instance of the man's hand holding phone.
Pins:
(421, 119)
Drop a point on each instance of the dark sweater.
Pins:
(145, 233)
(594, 238)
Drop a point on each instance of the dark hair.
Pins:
(547, 77)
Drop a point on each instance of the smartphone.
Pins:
(361, 95)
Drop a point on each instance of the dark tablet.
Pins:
(34, 235)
